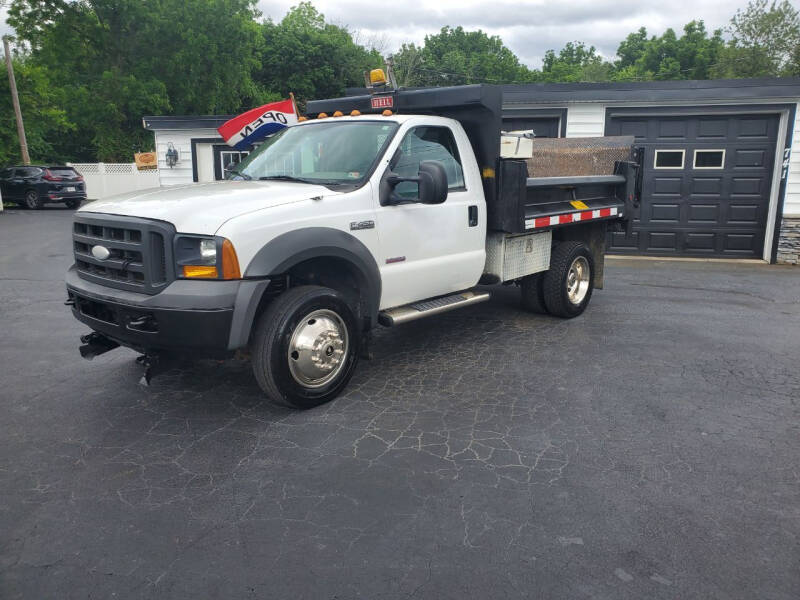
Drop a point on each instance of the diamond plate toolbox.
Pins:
(510, 257)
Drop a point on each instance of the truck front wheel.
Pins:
(567, 286)
(305, 347)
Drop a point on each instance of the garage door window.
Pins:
(709, 159)
(669, 159)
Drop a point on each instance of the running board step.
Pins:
(426, 308)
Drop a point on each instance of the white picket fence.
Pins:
(108, 179)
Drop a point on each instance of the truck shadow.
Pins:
(444, 347)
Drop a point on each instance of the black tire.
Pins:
(532, 287)
(565, 257)
(32, 200)
(273, 336)
(73, 203)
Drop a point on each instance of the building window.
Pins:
(709, 159)
(231, 158)
(669, 159)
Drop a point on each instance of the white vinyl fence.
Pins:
(108, 179)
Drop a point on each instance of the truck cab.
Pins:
(330, 227)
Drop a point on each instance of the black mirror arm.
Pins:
(393, 180)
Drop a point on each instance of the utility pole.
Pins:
(12, 83)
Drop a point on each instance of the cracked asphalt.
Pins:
(648, 449)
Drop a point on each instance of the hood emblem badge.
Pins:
(100, 252)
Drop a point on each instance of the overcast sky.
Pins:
(528, 27)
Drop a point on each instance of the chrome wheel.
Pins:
(318, 349)
(578, 280)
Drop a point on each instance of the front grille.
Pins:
(140, 251)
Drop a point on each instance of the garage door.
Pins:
(541, 126)
(706, 184)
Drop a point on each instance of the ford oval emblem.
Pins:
(100, 252)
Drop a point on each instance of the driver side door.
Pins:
(429, 250)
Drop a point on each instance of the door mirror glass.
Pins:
(428, 187)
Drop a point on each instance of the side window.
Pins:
(709, 159)
(6, 173)
(28, 172)
(669, 159)
(427, 143)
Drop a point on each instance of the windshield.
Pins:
(330, 153)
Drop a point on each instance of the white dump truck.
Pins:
(376, 210)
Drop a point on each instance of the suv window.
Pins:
(66, 172)
(427, 143)
(28, 172)
(6, 173)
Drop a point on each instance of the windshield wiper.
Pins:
(284, 178)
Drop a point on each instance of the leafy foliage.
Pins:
(113, 61)
(575, 62)
(691, 56)
(46, 121)
(456, 57)
(765, 41)
(310, 57)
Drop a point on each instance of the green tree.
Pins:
(314, 59)
(114, 60)
(456, 57)
(631, 49)
(575, 62)
(691, 56)
(764, 41)
(45, 122)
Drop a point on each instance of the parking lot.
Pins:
(648, 449)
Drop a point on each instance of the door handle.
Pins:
(473, 215)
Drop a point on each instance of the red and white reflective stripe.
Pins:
(585, 215)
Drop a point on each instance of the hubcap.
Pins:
(578, 280)
(318, 349)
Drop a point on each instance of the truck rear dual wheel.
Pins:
(305, 347)
(566, 288)
(533, 293)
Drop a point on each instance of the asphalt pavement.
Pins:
(647, 449)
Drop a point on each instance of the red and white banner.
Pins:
(258, 123)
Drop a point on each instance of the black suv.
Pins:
(34, 186)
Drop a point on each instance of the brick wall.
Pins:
(789, 240)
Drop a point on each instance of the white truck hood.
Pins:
(203, 207)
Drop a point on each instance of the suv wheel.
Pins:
(305, 347)
(32, 200)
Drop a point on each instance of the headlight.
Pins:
(205, 258)
(208, 250)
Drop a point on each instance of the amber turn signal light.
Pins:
(230, 262)
(200, 272)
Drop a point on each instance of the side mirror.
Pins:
(431, 181)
